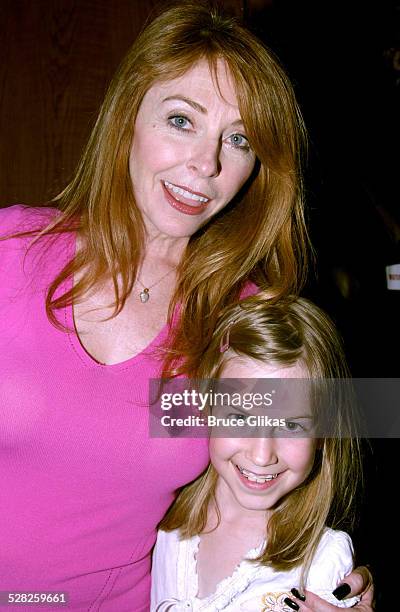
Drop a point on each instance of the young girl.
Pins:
(259, 522)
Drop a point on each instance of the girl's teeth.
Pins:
(258, 479)
(184, 193)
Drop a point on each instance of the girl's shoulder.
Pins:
(167, 542)
(170, 545)
(333, 560)
(335, 540)
(167, 553)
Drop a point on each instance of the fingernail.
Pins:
(291, 604)
(341, 591)
(297, 594)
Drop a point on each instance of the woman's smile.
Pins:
(187, 202)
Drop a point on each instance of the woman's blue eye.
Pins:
(239, 141)
(179, 121)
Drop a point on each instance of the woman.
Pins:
(188, 189)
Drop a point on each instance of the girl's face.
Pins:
(190, 155)
(255, 473)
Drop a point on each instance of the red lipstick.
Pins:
(181, 205)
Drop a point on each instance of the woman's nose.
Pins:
(262, 451)
(205, 158)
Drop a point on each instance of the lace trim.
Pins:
(227, 590)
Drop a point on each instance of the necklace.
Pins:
(145, 294)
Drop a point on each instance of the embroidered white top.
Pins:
(251, 587)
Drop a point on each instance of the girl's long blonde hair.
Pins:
(261, 234)
(289, 333)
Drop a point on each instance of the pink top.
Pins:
(82, 486)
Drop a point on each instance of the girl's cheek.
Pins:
(221, 449)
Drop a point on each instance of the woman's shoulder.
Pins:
(20, 218)
(22, 257)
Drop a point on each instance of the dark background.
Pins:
(57, 60)
(341, 57)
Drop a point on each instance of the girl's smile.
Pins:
(259, 478)
(256, 481)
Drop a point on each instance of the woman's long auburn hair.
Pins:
(260, 235)
(285, 334)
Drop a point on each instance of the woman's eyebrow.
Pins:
(198, 107)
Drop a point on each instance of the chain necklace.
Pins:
(145, 294)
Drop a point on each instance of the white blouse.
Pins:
(251, 587)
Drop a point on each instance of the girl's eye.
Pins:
(236, 416)
(293, 426)
(239, 142)
(180, 122)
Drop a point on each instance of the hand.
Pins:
(361, 584)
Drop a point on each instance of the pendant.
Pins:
(144, 296)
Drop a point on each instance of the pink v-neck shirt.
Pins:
(82, 485)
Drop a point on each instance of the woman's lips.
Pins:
(184, 205)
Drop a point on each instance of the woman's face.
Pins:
(190, 155)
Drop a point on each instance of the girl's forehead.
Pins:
(238, 366)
